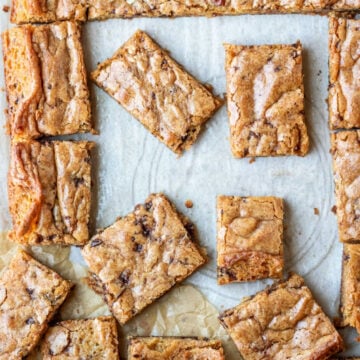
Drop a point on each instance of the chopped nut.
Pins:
(6, 8)
(189, 204)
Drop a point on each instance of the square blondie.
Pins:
(165, 348)
(157, 91)
(249, 238)
(282, 322)
(350, 287)
(344, 87)
(82, 339)
(345, 149)
(49, 187)
(141, 256)
(45, 81)
(265, 100)
(30, 295)
(37, 11)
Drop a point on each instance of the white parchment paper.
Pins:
(130, 163)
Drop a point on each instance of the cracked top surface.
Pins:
(49, 192)
(100, 9)
(171, 348)
(39, 11)
(344, 73)
(249, 238)
(82, 339)
(45, 81)
(265, 99)
(350, 286)
(30, 294)
(346, 165)
(149, 84)
(141, 256)
(282, 322)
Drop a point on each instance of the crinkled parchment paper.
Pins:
(129, 164)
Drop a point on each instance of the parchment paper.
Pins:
(129, 164)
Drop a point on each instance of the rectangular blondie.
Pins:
(157, 91)
(30, 295)
(141, 256)
(265, 99)
(344, 88)
(249, 238)
(350, 287)
(82, 339)
(49, 192)
(173, 348)
(282, 322)
(345, 149)
(45, 81)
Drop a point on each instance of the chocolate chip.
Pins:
(164, 64)
(138, 247)
(95, 242)
(30, 291)
(124, 277)
(148, 205)
(30, 321)
(49, 86)
(277, 68)
(78, 181)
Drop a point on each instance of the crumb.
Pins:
(333, 209)
(189, 204)
(319, 73)
(6, 8)
(316, 211)
(252, 160)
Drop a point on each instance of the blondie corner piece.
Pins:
(30, 294)
(249, 238)
(265, 99)
(45, 81)
(282, 322)
(82, 339)
(344, 87)
(345, 149)
(49, 187)
(151, 86)
(172, 348)
(350, 287)
(141, 256)
(37, 11)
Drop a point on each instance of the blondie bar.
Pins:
(149, 84)
(30, 295)
(141, 256)
(265, 99)
(82, 339)
(49, 192)
(249, 238)
(344, 89)
(345, 149)
(172, 348)
(282, 322)
(45, 81)
(350, 287)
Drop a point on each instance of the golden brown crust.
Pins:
(249, 238)
(49, 192)
(82, 339)
(265, 98)
(141, 256)
(350, 287)
(149, 84)
(100, 9)
(30, 294)
(344, 89)
(282, 322)
(346, 168)
(40, 11)
(172, 348)
(45, 81)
